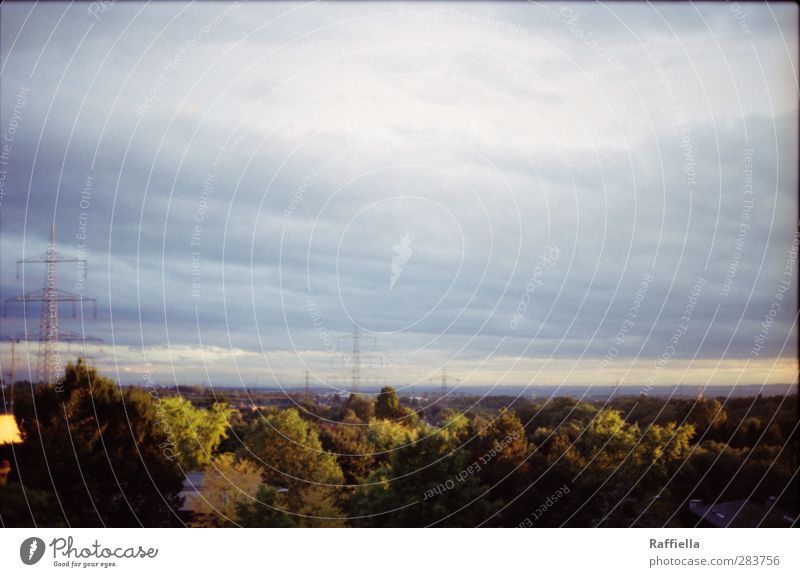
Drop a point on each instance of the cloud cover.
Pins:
(243, 174)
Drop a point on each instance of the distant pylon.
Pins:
(355, 373)
(445, 380)
(307, 395)
(48, 364)
(356, 378)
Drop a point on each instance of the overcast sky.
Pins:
(517, 190)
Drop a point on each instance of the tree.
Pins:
(101, 450)
(707, 415)
(227, 484)
(352, 449)
(196, 432)
(290, 454)
(427, 482)
(319, 507)
(612, 468)
(502, 447)
(664, 447)
(269, 509)
(363, 408)
(387, 405)
(26, 507)
(710, 468)
(263, 511)
(385, 437)
(558, 411)
(454, 426)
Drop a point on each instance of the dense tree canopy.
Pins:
(101, 451)
(95, 453)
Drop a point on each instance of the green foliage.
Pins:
(385, 437)
(95, 453)
(27, 507)
(317, 507)
(387, 405)
(100, 448)
(353, 451)
(611, 467)
(424, 484)
(501, 444)
(263, 511)
(195, 432)
(556, 412)
(227, 484)
(453, 426)
(290, 454)
(608, 439)
(363, 408)
(269, 508)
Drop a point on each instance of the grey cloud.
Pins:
(453, 118)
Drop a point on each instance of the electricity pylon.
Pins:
(355, 373)
(445, 380)
(48, 365)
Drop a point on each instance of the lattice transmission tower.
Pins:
(355, 373)
(48, 364)
(444, 380)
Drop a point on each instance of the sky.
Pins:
(523, 193)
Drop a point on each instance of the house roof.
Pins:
(741, 514)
